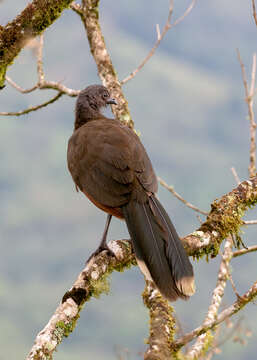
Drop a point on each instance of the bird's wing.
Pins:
(105, 158)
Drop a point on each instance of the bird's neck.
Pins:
(82, 119)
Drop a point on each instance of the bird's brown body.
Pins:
(110, 166)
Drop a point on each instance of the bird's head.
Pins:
(90, 102)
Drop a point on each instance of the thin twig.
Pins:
(250, 222)
(171, 189)
(33, 108)
(160, 36)
(249, 95)
(182, 17)
(40, 71)
(227, 336)
(254, 12)
(41, 84)
(59, 87)
(233, 285)
(249, 296)
(245, 251)
(217, 295)
(20, 89)
(233, 170)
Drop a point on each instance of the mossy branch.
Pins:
(106, 71)
(91, 282)
(162, 324)
(224, 219)
(32, 21)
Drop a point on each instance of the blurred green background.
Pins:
(188, 103)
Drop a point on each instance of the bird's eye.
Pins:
(105, 95)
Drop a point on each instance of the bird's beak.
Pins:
(112, 101)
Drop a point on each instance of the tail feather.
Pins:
(159, 251)
(181, 268)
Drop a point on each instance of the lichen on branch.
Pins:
(224, 219)
(32, 21)
(106, 71)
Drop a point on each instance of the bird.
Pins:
(110, 166)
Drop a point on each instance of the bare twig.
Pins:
(171, 189)
(20, 89)
(33, 108)
(250, 222)
(160, 36)
(249, 296)
(225, 337)
(233, 285)
(254, 12)
(41, 84)
(233, 170)
(40, 71)
(245, 251)
(217, 295)
(59, 87)
(182, 17)
(249, 95)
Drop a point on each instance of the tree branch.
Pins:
(32, 21)
(204, 340)
(41, 84)
(20, 89)
(162, 324)
(254, 12)
(245, 251)
(33, 108)
(160, 36)
(103, 61)
(249, 95)
(225, 218)
(179, 197)
(91, 282)
(249, 296)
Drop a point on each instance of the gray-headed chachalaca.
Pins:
(109, 164)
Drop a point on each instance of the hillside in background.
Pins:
(188, 103)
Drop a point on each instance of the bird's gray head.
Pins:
(90, 102)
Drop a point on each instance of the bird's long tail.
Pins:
(159, 251)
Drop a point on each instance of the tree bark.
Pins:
(32, 21)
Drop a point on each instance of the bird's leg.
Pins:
(103, 244)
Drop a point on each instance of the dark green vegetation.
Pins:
(188, 105)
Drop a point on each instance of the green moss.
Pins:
(2, 75)
(33, 20)
(226, 218)
(62, 329)
(100, 286)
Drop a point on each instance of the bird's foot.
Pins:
(99, 250)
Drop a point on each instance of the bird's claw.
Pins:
(99, 250)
